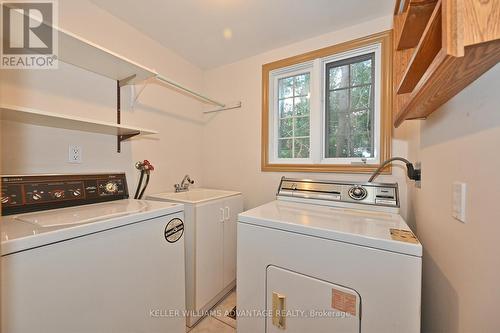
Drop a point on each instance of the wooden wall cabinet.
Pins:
(440, 47)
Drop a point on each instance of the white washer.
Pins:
(116, 266)
(328, 257)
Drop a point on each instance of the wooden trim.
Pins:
(446, 77)
(425, 52)
(396, 7)
(453, 27)
(480, 20)
(385, 39)
(415, 20)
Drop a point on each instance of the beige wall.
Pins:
(232, 139)
(70, 90)
(460, 142)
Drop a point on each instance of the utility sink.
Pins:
(195, 195)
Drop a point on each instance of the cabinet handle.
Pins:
(279, 310)
(221, 214)
(227, 213)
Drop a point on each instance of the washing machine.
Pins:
(79, 256)
(328, 256)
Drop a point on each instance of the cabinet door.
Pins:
(209, 251)
(315, 306)
(233, 206)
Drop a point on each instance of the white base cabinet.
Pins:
(215, 244)
(210, 240)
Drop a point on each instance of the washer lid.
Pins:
(79, 215)
(360, 227)
(25, 231)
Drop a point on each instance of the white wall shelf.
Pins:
(49, 119)
(82, 53)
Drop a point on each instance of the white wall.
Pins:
(460, 142)
(232, 139)
(70, 90)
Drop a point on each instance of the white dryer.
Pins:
(328, 257)
(101, 264)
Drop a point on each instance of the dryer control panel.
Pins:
(375, 194)
(28, 193)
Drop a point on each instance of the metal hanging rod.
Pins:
(188, 91)
(227, 107)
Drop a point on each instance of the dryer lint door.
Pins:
(298, 303)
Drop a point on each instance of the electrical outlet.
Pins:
(459, 201)
(75, 154)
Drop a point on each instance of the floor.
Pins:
(218, 321)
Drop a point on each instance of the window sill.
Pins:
(337, 168)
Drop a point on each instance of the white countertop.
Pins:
(355, 226)
(24, 231)
(193, 196)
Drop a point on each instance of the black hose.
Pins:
(409, 167)
(145, 185)
(139, 185)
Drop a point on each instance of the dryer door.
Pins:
(299, 303)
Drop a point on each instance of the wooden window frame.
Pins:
(382, 38)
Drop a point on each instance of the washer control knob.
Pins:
(58, 194)
(5, 200)
(358, 193)
(76, 193)
(111, 187)
(36, 196)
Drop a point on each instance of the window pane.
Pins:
(286, 128)
(349, 111)
(285, 87)
(339, 101)
(286, 107)
(294, 119)
(301, 106)
(339, 77)
(360, 97)
(285, 148)
(301, 126)
(302, 85)
(361, 135)
(301, 149)
(361, 73)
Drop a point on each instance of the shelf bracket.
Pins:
(125, 81)
(135, 94)
(123, 137)
(119, 138)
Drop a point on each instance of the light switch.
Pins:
(459, 201)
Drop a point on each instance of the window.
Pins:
(329, 110)
(349, 111)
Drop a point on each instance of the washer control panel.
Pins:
(28, 193)
(364, 193)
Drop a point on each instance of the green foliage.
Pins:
(294, 109)
(350, 113)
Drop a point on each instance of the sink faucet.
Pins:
(184, 185)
